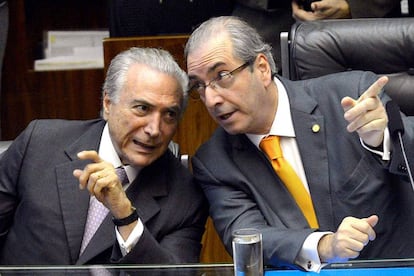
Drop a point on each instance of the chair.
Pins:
(4, 145)
(383, 46)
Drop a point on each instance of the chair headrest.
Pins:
(381, 45)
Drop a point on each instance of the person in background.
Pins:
(342, 9)
(118, 167)
(271, 17)
(308, 163)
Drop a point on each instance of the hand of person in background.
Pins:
(347, 242)
(324, 9)
(367, 115)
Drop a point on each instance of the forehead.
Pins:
(145, 82)
(215, 51)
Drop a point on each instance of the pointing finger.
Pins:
(89, 154)
(374, 89)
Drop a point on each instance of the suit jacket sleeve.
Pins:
(8, 180)
(172, 234)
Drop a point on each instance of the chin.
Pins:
(142, 162)
(233, 130)
(137, 159)
(230, 131)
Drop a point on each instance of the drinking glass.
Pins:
(247, 252)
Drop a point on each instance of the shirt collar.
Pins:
(282, 124)
(108, 153)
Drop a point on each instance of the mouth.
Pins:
(146, 147)
(225, 117)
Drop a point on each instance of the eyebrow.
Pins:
(211, 69)
(175, 108)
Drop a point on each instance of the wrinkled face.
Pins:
(144, 120)
(242, 106)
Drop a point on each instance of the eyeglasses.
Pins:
(224, 79)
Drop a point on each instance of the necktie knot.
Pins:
(271, 146)
(123, 177)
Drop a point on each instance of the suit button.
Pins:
(402, 168)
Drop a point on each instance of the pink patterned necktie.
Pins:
(97, 212)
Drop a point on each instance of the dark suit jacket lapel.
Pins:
(151, 183)
(310, 136)
(74, 202)
(103, 239)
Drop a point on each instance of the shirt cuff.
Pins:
(386, 146)
(126, 246)
(308, 257)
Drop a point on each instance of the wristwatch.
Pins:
(127, 220)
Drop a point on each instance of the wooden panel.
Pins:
(194, 129)
(55, 94)
(28, 95)
(173, 43)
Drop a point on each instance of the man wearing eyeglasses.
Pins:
(353, 201)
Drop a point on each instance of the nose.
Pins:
(212, 97)
(153, 126)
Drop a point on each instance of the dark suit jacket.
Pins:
(43, 211)
(344, 178)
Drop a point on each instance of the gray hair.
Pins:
(157, 59)
(246, 41)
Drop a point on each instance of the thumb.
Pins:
(372, 220)
(318, 6)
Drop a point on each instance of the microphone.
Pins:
(396, 128)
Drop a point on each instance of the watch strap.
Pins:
(127, 220)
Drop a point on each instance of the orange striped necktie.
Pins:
(271, 146)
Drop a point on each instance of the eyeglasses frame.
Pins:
(218, 78)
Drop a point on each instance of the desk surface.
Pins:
(394, 271)
(356, 268)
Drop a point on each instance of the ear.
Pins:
(263, 67)
(106, 105)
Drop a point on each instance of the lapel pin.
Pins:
(316, 128)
